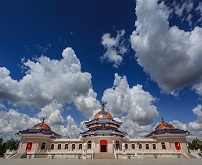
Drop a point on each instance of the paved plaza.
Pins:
(149, 161)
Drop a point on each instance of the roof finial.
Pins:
(43, 120)
(162, 120)
(103, 106)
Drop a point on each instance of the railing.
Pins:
(10, 153)
(155, 153)
(52, 153)
(195, 151)
(57, 151)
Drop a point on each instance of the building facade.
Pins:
(103, 139)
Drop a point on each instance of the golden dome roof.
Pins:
(42, 125)
(102, 114)
(164, 125)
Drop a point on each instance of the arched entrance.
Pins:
(177, 146)
(103, 145)
(29, 146)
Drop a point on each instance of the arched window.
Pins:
(154, 146)
(73, 146)
(117, 145)
(59, 146)
(126, 146)
(163, 145)
(80, 146)
(66, 146)
(43, 146)
(52, 146)
(147, 146)
(140, 146)
(133, 146)
(89, 145)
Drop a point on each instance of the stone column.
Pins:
(84, 151)
(113, 145)
(124, 156)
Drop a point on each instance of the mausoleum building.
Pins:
(103, 139)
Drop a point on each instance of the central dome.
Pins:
(102, 114)
(42, 126)
(164, 125)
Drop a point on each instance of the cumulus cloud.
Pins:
(70, 130)
(12, 121)
(48, 81)
(134, 102)
(52, 113)
(133, 129)
(88, 102)
(115, 48)
(48, 85)
(172, 57)
(198, 112)
(195, 127)
(179, 124)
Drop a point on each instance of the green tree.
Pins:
(2, 147)
(12, 144)
(195, 144)
(9, 144)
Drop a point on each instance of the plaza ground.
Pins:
(148, 161)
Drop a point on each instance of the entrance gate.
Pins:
(29, 146)
(177, 146)
(103, 146)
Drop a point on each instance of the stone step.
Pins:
(104, 156)
(16, 156)
(190, 155)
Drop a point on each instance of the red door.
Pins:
(177, 146)
(103, 145)
(29, 146)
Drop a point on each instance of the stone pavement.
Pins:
(148, 161)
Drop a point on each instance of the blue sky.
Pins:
(62, 59)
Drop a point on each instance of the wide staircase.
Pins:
(104, 156)
(190, 155)
(17, 156)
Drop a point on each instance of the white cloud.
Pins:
(199, 9)
(48, 81)
(115, 48)
(52, 113)
(47, 85)
(12, 121)
(88, 102)
(179, 125)
(133, 129)
(171, 56)
(135, 102)
(198, 88)
(198, 112)
(184, 11)
(71, 130)
(184, 8)
(195, 127)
